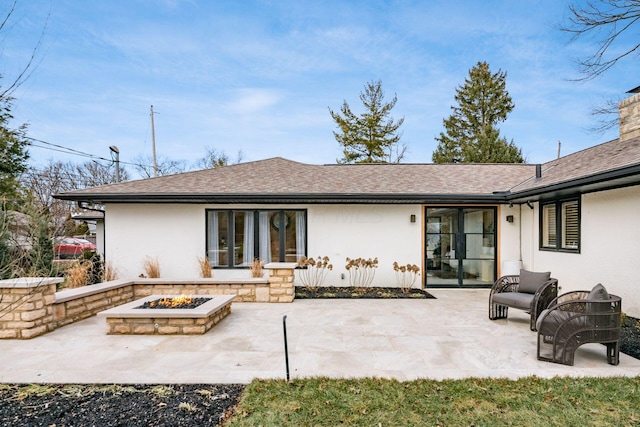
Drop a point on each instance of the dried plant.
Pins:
(256, 268)
(205, 267)
(406, 276)
(77, 275)
(314, 271)
(151, 267)
(110, 272)
(361, 271)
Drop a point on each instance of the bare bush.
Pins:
(314, 271)
(406, 276)
(361, 271)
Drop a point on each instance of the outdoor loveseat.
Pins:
(528, 291)
(578, 318)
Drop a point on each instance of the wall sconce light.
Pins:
(412, 218)
(509, 218)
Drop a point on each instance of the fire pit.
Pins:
(175, 302)
(167, 315)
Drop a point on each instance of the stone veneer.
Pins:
(30, 306)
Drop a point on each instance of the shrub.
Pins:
(313, 271)
(256, 268)
(361, 271)
(406, 276)
(205, 267)
(151, 267)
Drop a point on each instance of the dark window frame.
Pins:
(256, 233)
(557, 204)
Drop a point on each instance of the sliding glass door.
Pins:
(460, 246)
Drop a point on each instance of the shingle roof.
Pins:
(592, 162)
(278, 176)
(285, 180)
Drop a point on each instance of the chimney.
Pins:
(629, 115)
(538, 171)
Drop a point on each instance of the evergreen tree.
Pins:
(13, 153)
(471, 134)
(372, 136)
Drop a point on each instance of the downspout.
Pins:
(104, 239)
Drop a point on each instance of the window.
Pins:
(560, 225)
(236, 237)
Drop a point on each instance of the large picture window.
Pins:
(560, 225)
(236, 237)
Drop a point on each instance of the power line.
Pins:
(73, 151)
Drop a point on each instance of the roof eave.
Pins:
(617, 178)
(311, 198)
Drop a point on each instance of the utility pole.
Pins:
(115, 150)
(153, 145)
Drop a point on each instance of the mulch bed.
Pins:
(117, 405)
(343, 292)
(173, 405)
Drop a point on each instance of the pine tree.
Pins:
(13, 153)
(373, 136)
(471, 135)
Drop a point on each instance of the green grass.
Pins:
(529, 401)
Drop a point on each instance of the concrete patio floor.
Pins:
(447, 337)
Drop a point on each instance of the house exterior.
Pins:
(464, 225)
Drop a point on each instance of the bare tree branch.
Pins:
(607, 21)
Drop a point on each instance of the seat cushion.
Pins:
(550, 320)
(531, 281)
(514, 299)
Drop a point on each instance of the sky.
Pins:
(260, 76)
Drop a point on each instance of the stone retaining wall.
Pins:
(30, 306)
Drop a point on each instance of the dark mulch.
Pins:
(135, 405)
(630, 337)
(354, 293)
(174, 405)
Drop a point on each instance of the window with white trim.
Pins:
(560, 225)
(236, 237)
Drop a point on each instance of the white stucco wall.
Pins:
(609, 247)
(175, 234)
(508, 236)
(366, 231)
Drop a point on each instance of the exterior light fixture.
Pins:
(412, 218)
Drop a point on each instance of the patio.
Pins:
(449, 337)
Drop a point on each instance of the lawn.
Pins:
(471, 402)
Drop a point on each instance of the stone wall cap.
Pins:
(29, 282)
(276, 265)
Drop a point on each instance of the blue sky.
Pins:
(259, 76)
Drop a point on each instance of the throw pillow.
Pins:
(531, 281)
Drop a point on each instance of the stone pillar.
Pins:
(629, 117)
(281, 281)
(26, 306)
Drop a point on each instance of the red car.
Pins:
(70, 247)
